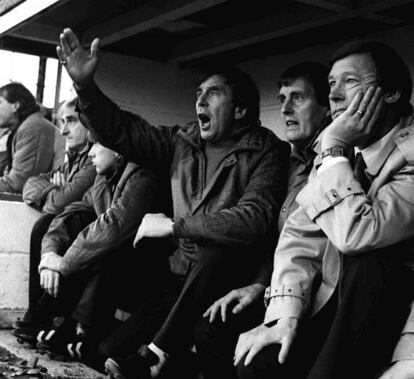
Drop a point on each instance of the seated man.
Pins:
(86, 239)
(228, 180)
(31, 140)
(303, 96)
(332, 306)
(51, 192)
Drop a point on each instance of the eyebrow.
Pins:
(354, 72)
(293, 93)
(213, 86)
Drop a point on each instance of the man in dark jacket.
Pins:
(228, 179)
(303, 97)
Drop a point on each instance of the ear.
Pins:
(16, 106)
(392, 97)
(239, 112)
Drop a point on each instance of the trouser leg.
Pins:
(216, 342)
(39, 230)
(142, 325)
(217, 271)
(373, 303)
(372, 309)
(127, 278)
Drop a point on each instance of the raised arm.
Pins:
(121, 131)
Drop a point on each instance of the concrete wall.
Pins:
(16, 223)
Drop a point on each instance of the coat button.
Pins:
(284, 209)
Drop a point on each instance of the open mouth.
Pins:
(204, 120)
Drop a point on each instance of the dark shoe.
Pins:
(26, 330)
(135, 366)
(32, 321)
(56, 339)
(27, 335)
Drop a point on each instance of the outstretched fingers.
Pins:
(71, 39)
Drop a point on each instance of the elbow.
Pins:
(348, 247)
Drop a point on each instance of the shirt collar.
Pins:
(377, 153)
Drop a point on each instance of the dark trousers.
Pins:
(41, 310)
(122, 280)
(215, 342)
(169, 319)
(39, 230)
(354, 335)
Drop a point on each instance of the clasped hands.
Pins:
(58, 179)
(356, 125)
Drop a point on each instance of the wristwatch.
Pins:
(334, 151)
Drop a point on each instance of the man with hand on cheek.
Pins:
(340, 289)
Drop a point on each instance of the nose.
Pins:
(287, 107)
(336, 93)
(64, 130)
(202, 100)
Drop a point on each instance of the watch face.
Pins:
(335, 151)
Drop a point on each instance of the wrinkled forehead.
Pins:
(68, 110)
(300, 85)
(360, 64)
(215, 80)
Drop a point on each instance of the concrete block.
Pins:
(16, 223)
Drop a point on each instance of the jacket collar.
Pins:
(377, 153)
(244, 138)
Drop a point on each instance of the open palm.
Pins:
(80, 64)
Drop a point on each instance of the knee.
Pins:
(203, 333)
(246, 372)
(105, 350)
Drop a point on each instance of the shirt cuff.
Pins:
(284, 306)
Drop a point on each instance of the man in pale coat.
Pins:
(340, 291)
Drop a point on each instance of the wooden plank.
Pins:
(265, 29)
(148, 16)
(336, 6)
(37, 32)
(28, 10)
(345, 5)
